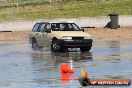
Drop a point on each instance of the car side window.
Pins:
(48, 27)
(55, 26)
(42, 28)
(35, 28)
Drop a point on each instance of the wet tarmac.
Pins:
(21, 67)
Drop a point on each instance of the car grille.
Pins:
(77, 38)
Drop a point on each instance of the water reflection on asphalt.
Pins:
(21, 67)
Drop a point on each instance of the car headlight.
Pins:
(86, 37)
(67, 38)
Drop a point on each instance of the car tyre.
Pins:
(34, 44)
(55, 46)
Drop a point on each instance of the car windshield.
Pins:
(65, 27)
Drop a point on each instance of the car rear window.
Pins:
(35, 28)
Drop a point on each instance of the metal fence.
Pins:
(17, 3)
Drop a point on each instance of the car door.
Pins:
(48, 35)
(34, 32)
(40, 34)
(44, 36)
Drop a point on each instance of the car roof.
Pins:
(53, 22)
(42, 23)
(63, 23)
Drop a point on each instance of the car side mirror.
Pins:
(48, 30)
(83, 29)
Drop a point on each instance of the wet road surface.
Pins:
(21, 67)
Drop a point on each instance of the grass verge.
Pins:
(66, 9)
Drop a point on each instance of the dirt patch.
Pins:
(14, 36)
(111, 34)
(96, 33)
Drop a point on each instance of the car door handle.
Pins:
(36, 33)
(45, 34)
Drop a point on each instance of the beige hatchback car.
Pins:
(59, 36)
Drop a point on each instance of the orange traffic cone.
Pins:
(65, 69)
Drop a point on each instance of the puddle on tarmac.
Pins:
(21, 67)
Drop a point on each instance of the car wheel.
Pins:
(55, 46)
(34, 44)
(84, 49)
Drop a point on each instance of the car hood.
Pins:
(70, 34)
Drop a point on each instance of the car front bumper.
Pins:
(76, 43)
